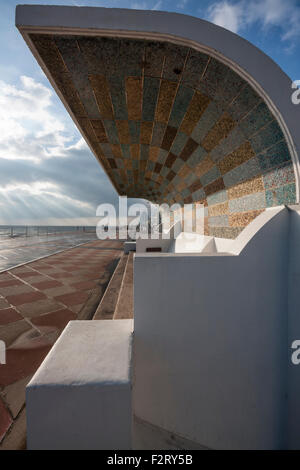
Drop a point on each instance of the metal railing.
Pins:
(16, 231)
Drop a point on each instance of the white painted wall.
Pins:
(210, 342)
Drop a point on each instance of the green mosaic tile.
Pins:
(279, 176)
(283, 195)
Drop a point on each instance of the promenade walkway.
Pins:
(15, 251)
(36, 302)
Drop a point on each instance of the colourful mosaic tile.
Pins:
(172, 124)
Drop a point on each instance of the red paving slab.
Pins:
(58, 319)
(9, 315)
(23, 361)
(40, 293)
(47, 284)
(85, 285)
(25, 298)
(74, 298)
(12, 282)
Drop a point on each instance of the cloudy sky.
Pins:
(46, 169)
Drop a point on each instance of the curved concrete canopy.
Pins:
(173, 118)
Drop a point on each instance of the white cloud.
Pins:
(142, 5)
(237, 15)
(182, 4)
(29, 129)
(46, 168)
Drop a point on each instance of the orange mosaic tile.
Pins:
(219, 131)
(102, 95)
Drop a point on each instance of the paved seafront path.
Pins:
(37, 300)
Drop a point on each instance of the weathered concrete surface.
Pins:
(84, 403)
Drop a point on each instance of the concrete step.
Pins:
(107, 306)
(124, 307)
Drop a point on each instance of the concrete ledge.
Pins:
(80, 397)
(129, 246)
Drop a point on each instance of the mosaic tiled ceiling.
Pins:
(171, 124)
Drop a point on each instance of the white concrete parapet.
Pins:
(80, 397)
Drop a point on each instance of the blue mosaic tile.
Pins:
(150, 94)
(256, 119)
(180, 106)
(135, 164)
(177, 165)
(274, 156)
(218, 221)
(269, 135)
(118, 96)
(217, 198)
(158, 133)
(144, 152)
(179, 143)
(134, 130)
(198, 195)
(242, 173)
(126, 150)
(210, 176)
(106, 149)
(196, 157)
(111, 131)
(244, 102)
(162, 156)
(212, 113)
(228, 145)
(247, 203)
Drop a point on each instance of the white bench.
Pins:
(80, 397)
